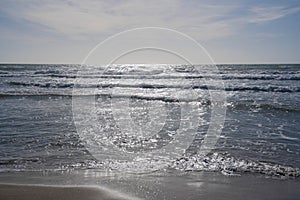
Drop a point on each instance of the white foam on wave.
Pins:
(229, 165)
(287, 137)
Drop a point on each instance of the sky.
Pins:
(232, 31)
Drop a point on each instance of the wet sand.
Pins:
(43, 192)
(93, 184)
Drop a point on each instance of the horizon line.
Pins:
(241, 63)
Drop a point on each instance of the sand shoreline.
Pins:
(50, 192)
(93, 184)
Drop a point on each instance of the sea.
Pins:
(139, 108)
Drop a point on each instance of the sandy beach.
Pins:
(38, 192)
(97, 185)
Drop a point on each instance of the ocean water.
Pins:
(261, 133)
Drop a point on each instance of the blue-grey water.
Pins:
(261, 131)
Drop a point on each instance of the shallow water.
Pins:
(260, 134)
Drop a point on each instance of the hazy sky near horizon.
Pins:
(233, 31)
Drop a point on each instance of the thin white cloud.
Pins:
(266, 14)
(84, 19)
(80, 19)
